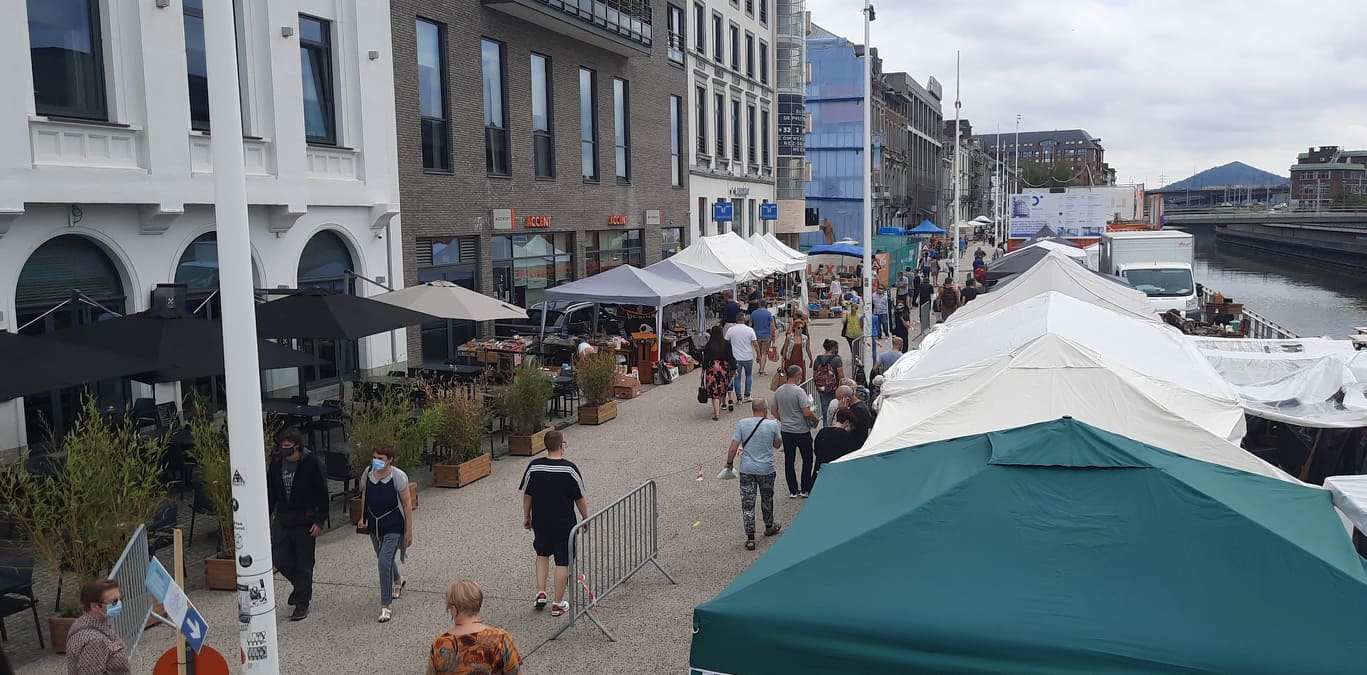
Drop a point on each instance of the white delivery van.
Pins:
(1157, 262)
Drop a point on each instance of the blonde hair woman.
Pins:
(469, 646)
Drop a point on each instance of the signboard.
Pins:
(177, 604)
(1068, 214)
(503, 219)
(723, 212)
(538, 221)
(655, 217)
(792, 126)
(768, 211)
(617, 219)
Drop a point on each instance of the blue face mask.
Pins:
(114, 609)
(377, 464)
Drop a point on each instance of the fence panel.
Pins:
(131, 573)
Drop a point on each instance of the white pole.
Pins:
(242, 371)
(958, 145)
(866, 301)
(1017, 168)
(999, 175)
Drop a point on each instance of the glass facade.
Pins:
(436, 127)
(196, 65)
(673, 241)
(543, 138)
(834, 147)
(525, 265)
(613, 248)
(315, 64)
(497, 157)
(456, 260)
(67, 58)
(621, 116)
(326, 263)
(588, 124)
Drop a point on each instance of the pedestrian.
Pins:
(92, 646)
(859, 410)
(980, 275)
(552, 488)
(853, 330)
(793, 410)
(743, 347)
(969, 291)
(979, 253)
(762, 321)
(925, 266)
(720, 368)
(754, 298)
(904, 285)
(582, 349)
(730, 310)
(833, 293)
(837, 404)
(949, 299)
(889, 357)
(797, 345)
(756, 439)
(387, 514)
(297, 494)
(469, 646)
(901, 325)
(835, 441)
(925, 301)
(827, 371)
(934, 270)
(881, 327)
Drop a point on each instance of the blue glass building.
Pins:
(834, 100)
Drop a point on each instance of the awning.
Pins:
(626, 285)
(730, 256)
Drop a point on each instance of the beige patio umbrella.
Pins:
(451, 301)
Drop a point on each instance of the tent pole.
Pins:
(702, 318)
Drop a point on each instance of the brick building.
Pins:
(582, 160)
(1074, 149)
(1327, 175)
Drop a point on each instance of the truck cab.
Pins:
(1156, 262)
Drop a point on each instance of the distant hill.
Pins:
(1234, 173)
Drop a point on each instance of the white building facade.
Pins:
(106, 185)
(733, 118)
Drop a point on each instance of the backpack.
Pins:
(826, 380)
(949, 299)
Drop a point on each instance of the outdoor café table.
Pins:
(460, 370)
(306, 413)
(387, 380)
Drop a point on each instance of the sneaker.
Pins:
(771, 531)
(730, 407)
(385, 615)
(301, 612)
(540, 601)
(559, 608)
(803, 495)
(793, 495)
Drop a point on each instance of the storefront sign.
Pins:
(617, 219)
(538, 221)
(655, 217)
(740, 192)
(723, 212)
(503, 219)
(792, 126)
(768, 211)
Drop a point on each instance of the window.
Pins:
(749, 55)
(699, 28)
(676, 141)
(720, 126)
(613, 248)
(764, 12)
(315, 56)
(735, 48)
(750, 138)
(675, 18)
(453, 259)
(436, 131)
(68, 59)
(621, 137)
(750, 7)
(543, 137)
(700, 115)
(525, 265)
(764, 137)
(673, 241)
(588, 123)
(196, 67)
(735, 131)
(718, 43)
(763, 62)
(496, 152)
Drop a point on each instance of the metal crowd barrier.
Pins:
(608, 548)
(131, 573)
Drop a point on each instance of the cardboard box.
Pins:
(823, 313)
(685, 368)
(627, 388)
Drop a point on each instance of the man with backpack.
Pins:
(949, 299)
(828, 370)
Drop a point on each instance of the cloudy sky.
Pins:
(1167, 85)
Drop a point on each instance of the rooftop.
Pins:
(1337, 166)
(1065, 137)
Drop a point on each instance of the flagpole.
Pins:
(954, 243)
(867, 300)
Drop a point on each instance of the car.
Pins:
(574, 318)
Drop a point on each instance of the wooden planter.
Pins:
(526, 446)
(220, 574)
(57, 628)
(452, 473)
(355, 506)
(413, 492)
(597, 414)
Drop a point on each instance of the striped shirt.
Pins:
(554, 486)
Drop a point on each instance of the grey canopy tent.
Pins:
(625, 285)
(708, 282)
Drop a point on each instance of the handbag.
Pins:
(702, 394)
(773, 352)
(777, 380)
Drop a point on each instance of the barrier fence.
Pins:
(131, 573)
(608, 548)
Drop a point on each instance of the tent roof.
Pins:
(926, 227)
(1295, 381)
(782, 247)
(1052, 376)
(626, 285)
(708, 282)
(790, 262)
(1018, 261)
(1057, 272)
(850, 249)
(1054, 548)
(1053, 245)
(730, 256)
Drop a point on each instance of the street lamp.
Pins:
(867, 299)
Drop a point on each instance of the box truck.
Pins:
(1157, 262)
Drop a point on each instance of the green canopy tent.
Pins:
(1051, 548)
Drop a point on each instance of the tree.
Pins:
(1050, 175)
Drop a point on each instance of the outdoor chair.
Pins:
(200, 505)
(144, 412)
(161, 529)
(16, 593)
(338, 467)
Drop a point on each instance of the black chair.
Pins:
(325, 425)
(338, 467)
(144, 412)
(301, 399)
(200, 505)
(16, 593)
(166, 416)
(161, 529)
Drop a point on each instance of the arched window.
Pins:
(325, 262)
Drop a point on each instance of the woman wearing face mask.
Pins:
(387, 512)
(469, 646)
(92, 646)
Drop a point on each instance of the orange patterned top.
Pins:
(488, 652)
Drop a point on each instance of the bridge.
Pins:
(1329, 217)
(1331, 236)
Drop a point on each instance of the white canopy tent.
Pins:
(796, 263)
(1149, 347)
(1350, 496)
(1058, 272)
(1052, 377)
(730, 256)
(625, 285)
(1297, 381)
(1070, 251)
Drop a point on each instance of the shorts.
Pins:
(554, 542)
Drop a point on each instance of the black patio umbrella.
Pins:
(178, 346)
(1015, 263)
(317, 313)
(32, 365)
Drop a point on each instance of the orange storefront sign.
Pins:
(617, 219)
(538, 221)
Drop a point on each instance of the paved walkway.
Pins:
(476, 532)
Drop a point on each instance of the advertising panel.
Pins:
(1069, 214)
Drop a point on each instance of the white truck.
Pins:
(1157, 262)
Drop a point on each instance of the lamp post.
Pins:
(1016, 169)
(958, 145)
(867, 299)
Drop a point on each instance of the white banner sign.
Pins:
(1068, 214)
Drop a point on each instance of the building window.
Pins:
(196, 66)
(749, 55)
(703, 216)
(764, 137)
(315, 54)
(588, 123)
(750, 138)
(543, 134)
(525, 265)
(735, 131)
(763, 62)
(67, 58)
(621, 136)
(613, 248)
(718, 42)
(497, 158)
(675, 19)
(700, 116)
(673, 241)
(676, 141)
(436, 131)
(700, 28)
(764, 12)
(324, 264)
(453, 259)
(735, 47)
(720, 127)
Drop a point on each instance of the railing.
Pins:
(608, 548)
(1259, 326)
(131, 573)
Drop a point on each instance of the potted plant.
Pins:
(388, 418)
(457, 420)
(80, 518)
(524, 401)
(213, 468)
(596, 375)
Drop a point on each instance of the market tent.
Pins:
(926, 227)
(1057, 272)
(1149, 347)
(1054, 548)
(791, 263)
(728, 255)
(627, 285)
(707, 282)
(781, 247)
(1050, 245)
(1016, 263)
(1311, 382)
(1050, 377)
(847, 247)
(983, 220)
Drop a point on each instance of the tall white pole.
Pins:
(958, 147)
(867, 308)
(1017, 164)
(998, 175)
(242, 372)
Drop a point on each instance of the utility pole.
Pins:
(867, 299)
(958, 146)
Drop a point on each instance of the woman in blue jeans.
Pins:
(387, 513)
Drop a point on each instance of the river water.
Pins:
(1303, 298)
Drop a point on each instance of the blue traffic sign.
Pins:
(723, 212)
(179, 611)
(194, 629)
(768, 211)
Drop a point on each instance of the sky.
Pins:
(1167, 85)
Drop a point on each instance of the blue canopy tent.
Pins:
(846, 248)
(926, 227)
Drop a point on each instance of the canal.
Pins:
(1305, 299)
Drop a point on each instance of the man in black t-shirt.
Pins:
(552, 489)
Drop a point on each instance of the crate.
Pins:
(626, 388)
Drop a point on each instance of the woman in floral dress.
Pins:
(720, 367)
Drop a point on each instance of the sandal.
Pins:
(749, 544)
(398, 588)
(715, 418)
(385, 614)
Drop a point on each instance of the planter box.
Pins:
(220, 574)
(459, 474)
(597, 414)
(626, 388)
(413, 488)
(354, 505)
(57, 628)
(526, 446)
